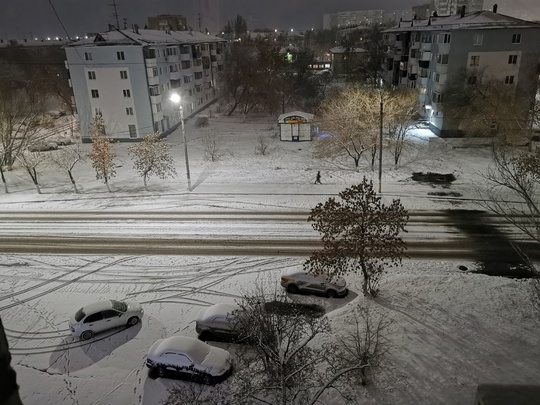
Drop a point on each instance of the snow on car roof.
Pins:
(97, 306)
(194, 347)
(219, 310)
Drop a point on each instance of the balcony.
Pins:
(185, 56)
(422, 81)
(426, 46)
(156, 99)
(153, 80)
(439, 68)
(175, 75)
(151, 62)
(172, 58)
(424, 64)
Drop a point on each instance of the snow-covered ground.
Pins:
(450, 330)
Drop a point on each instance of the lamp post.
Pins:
(175, 98)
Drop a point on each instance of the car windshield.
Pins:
(198, 352)
(119, 305)
(79, 315)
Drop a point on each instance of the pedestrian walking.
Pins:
(318, 178)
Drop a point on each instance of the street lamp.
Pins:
(175, 98)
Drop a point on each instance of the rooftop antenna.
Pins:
(199, 16)
(115, 14)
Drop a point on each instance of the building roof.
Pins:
(148, 37)
(306, 116)
(477, 20)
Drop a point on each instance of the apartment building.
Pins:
(127, 77)
(345, 19)
(425, 54)
(449, 7)
(167, 22)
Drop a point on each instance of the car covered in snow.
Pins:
(42, 146)
(296, 281)
(104, 315)
(189, 358)
(218, 322)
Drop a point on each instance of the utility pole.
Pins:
(380, 139)
(115, 14)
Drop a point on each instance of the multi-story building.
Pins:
(127, 77)
(166, 22)
(425, 54)
(345, 19)
(449, 7)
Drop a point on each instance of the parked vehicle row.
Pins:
(190, 358)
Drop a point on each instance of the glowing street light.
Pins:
(176, 99)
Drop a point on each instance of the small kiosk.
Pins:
(295, 126)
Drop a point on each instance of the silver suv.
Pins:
(296, 281)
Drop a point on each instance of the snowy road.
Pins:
(430, 234)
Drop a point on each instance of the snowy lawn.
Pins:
(450, 330)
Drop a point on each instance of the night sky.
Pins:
(36, 18)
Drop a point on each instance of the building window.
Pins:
(512, 59)
(91, 75)
(475, 60)
(155, 72)
(129, 110)
(160, 71)
(88, 56)
(158, 107)
(509, 80)
(478, 38)
(123, 74)
(437, 97)
(471, 80)
(184, 49)
(516, 39)
(132, 131)
(443, 38)
(442, 59)
(154, 91)
(95, 93)
(198, 75)
(127, 93)
(98, 112)
(120, 55)
(186, 64)
(188, 79)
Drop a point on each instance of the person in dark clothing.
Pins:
(318, 178)
(9, 390)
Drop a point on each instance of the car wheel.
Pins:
(293, 289)
(160, 371)
(207, 379)
(205, 336)
(133, 321)
(331, 294)
(87, 334)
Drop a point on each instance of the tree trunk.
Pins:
(144, 179)
(356, 161)
(4, 180)
(73, 182)
(107, 183)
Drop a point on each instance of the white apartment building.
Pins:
(127, 77)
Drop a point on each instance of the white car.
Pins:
(104, 315)
(217, 321)
(189, 358)
(296, 281)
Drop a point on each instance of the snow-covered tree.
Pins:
(152, 157)
(360, 234)
(102, 154)
(66, 159)
(30, 161)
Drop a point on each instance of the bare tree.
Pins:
(261, 148)
(401, 113)
(152, 156)
(198, 394)
(360, 234)
(30, 161)
(66, 159)
(351, 120)
(20, 110)
(213, 146)
(102, 154)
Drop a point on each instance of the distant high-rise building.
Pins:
(449, 7)
(345, 19)
(166, 22)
